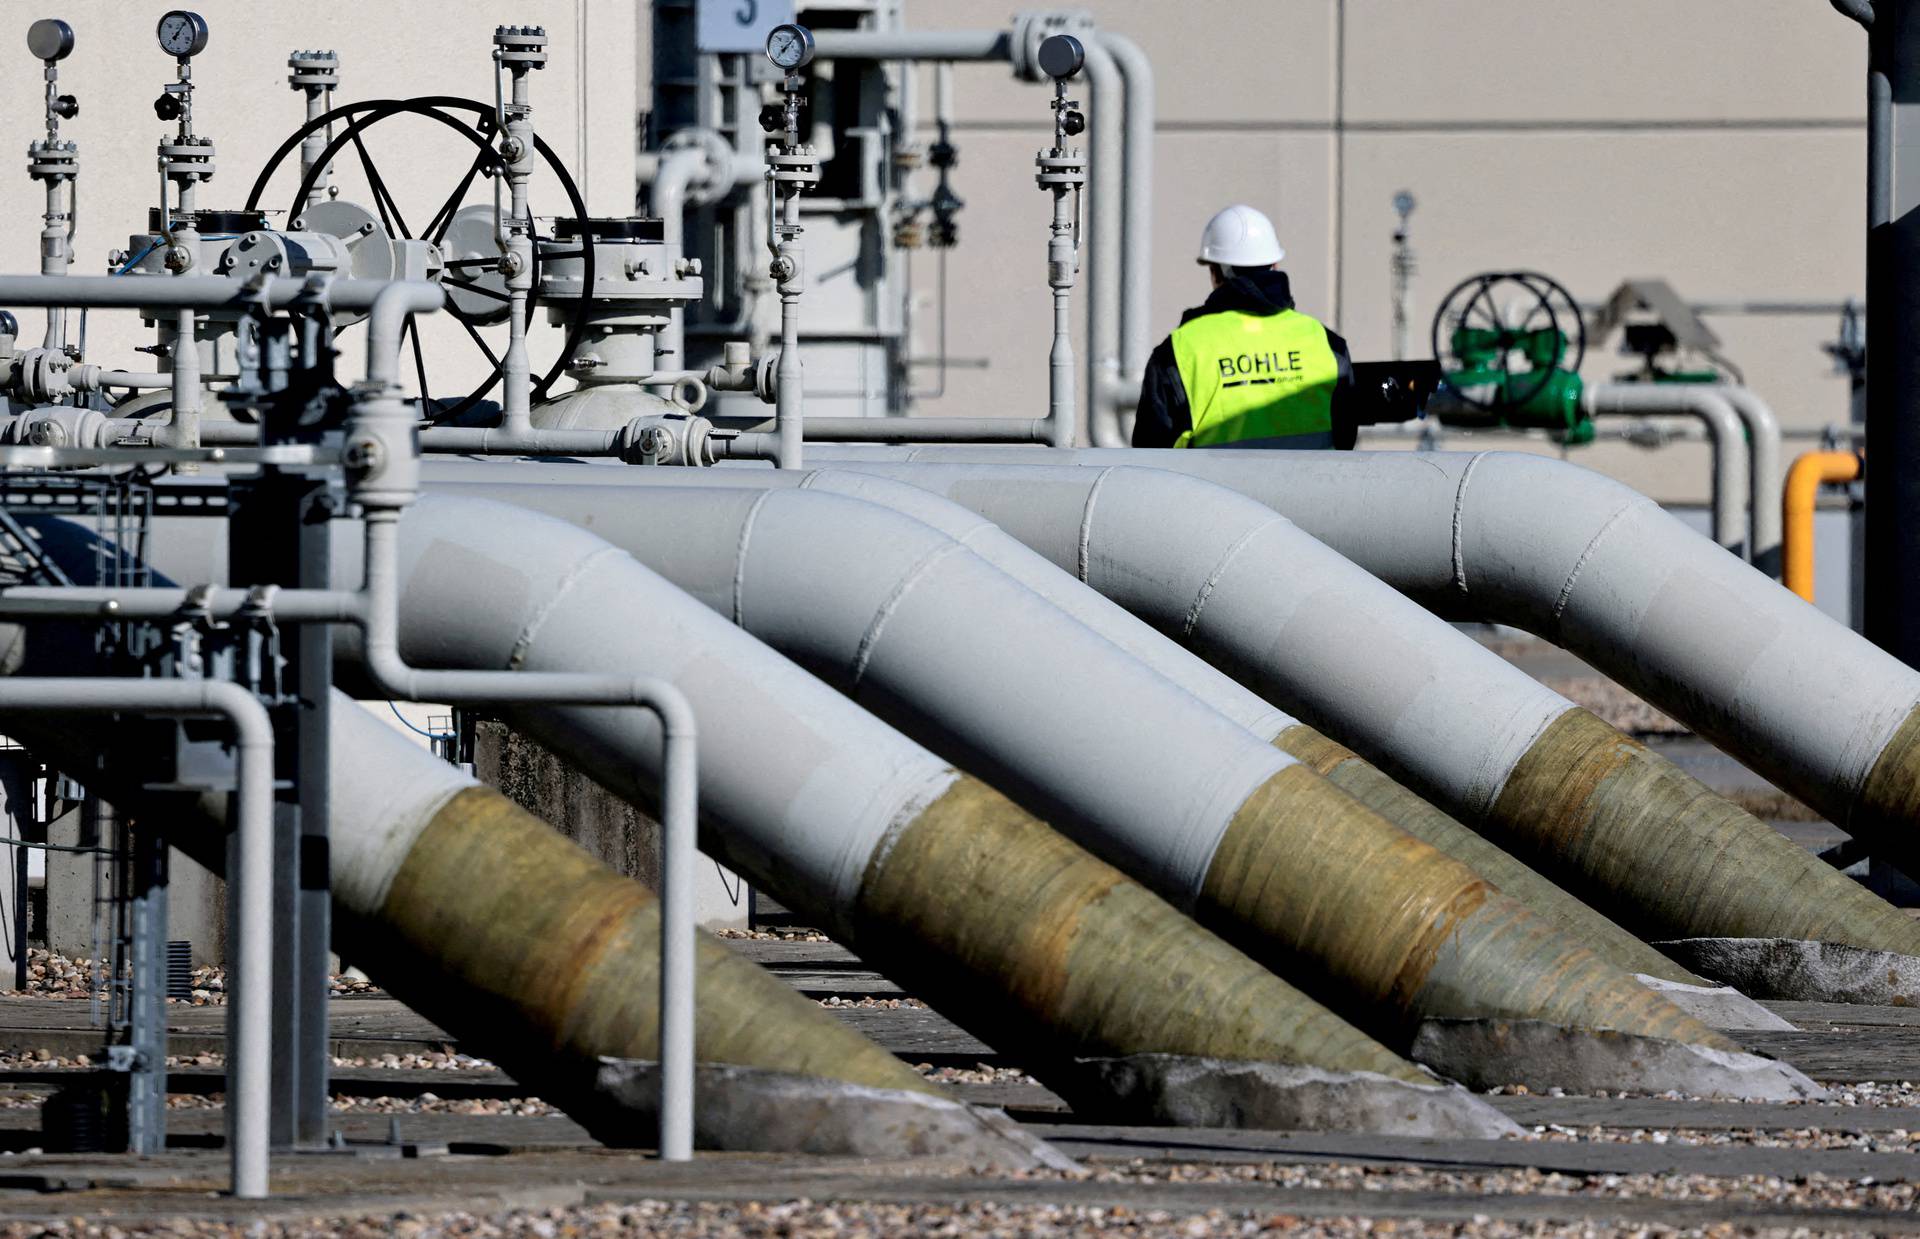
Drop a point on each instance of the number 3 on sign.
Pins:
(738, 25)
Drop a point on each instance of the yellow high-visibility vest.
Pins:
(1255, 376)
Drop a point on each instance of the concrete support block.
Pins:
(69, 925)
(750, 1109)
(197, 908)
(1484, 1054)
(1176, 1090)
(607, 827)
(1791, 969)
(1716, 1006)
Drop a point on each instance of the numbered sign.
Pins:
(739, 25)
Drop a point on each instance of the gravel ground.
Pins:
(1898, 1141)
(1863, 1093)
(416, 1062)
(889, 1004)
(795, 1219)
(58, 976)
(1809, 1191)
(773, 935)
(980, 1073)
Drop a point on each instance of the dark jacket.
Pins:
(1163, 414)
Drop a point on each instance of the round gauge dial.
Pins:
(182, 33)
(790, 46)
(50, 38)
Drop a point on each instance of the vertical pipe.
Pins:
(1804, 480)
(789, 383)
(1104, 234)
(186, 381)
(679, 822)
(1136, 233)
(251, 1073)
(1763, 475)
(1892, 563)
(516, 371)
(668, 197)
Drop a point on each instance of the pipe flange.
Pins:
(53, 161)
(1067, 170)
(314, 70)
(1036, 26)
(715, 180)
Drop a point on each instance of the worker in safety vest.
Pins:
(1246, 369)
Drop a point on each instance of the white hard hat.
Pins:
(1240, 237)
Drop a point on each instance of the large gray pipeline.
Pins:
(939, 642)
(937, 879)
(1227, 696)
(1280, 611)
(1600, 569)
(929, 874)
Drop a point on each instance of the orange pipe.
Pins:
(1804, 479)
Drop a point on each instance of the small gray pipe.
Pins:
(1724, 431)
(1136, 292)
(913, 44)
(1765, 479)
(1106, 232)
(249, 1071)
(678, 170)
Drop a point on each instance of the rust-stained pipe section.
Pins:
(1808, 473)
(1580, 921)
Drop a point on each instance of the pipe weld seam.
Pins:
(1565, 594)
(1200, 599)
(739, 607)
(530, 631)
(1083, 551)
(871, 637)
(1459, 547)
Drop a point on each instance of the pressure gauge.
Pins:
(182, 34)
(790, 46)
(50, 39)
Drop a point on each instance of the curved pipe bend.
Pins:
(1594, 566)
(1724, 430)
(1294, 620)
(1809, 473)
